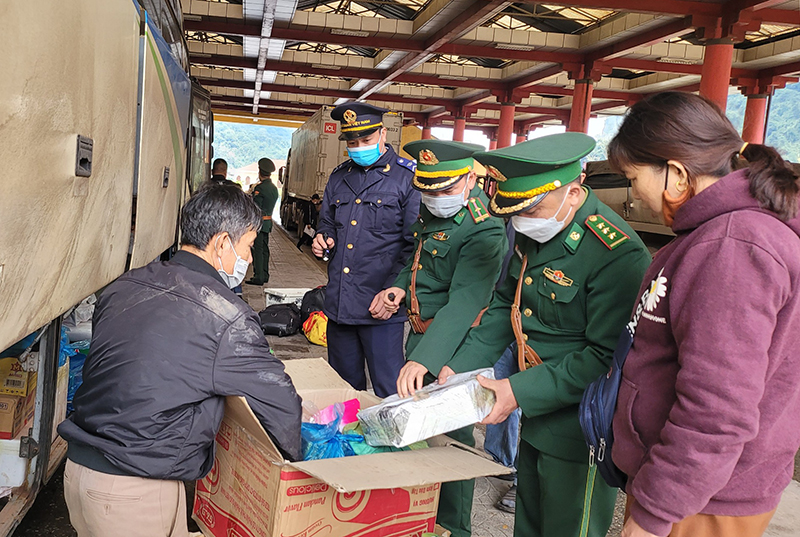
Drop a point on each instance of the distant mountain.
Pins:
(241, 144)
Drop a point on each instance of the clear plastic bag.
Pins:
(435, 409)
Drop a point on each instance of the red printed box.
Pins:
(252, 492)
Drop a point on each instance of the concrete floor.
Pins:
(290, 268)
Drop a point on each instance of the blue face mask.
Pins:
(366, 155)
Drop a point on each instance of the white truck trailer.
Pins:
(316, 151)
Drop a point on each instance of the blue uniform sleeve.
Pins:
(410, 208)
(326, 213)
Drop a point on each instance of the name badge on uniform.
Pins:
(557, 276)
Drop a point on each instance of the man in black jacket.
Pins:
(170, 341)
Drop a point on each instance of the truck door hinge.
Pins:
(28, 447)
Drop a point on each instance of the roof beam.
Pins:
(649, 37)
(477, 51)
(468, 19)
(667, 67)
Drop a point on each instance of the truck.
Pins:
(103, 136)
(316, 150)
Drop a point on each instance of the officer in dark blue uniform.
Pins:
(365, 219)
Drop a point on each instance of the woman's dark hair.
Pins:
(695, 132)
(216, 208)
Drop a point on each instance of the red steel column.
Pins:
(426, 133)
(715, 76)
(581, 106)
(506, 128)
(493, 142)
(755, 116)
(459, 127)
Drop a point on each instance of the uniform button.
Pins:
(346, 270)
(434, 252)
(419, 267)
(358, 200)
(379, 201)
(337, 201)
(525, 337)
(415, 233)
(528, 280)
(528, 312)
(553, 296)
(349, 246)
(353, 222)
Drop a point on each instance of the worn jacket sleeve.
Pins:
(403, 280)
(245, 366)
(487, 341)
(611, 293)
(410, 208)
(477, 269)
(723, 335)
(270, 200)
(327, 217)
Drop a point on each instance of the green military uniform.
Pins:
(459, 261)
(577, 293)
(265, 195)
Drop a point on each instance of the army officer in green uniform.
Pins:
(458, 253)
(570, 289)
(265, 194)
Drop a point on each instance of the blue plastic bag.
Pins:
(76, 362)
(325, 441)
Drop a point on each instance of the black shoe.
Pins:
(253, 281)
(300, 247)
(508, 502)
(507, 477)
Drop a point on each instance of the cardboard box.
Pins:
(62, 387)
(16, 412)
(253, 492)
(13, 379)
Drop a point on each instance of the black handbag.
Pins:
(280, 320)
(313, 301)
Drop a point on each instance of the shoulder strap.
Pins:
(527, 357)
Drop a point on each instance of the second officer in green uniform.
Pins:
(458, 253)
(265, 194)
(570, 289)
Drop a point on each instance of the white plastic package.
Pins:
(433, 410)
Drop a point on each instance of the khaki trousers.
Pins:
(701, 525)
(104, 505)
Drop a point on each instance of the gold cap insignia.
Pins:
(349, 117)
(427, 157)
(495, 173)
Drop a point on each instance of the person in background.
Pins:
(571, 284)
(170, 341)
(265, 194)
(708, 416)
(446, 285)
(219, 171)
(310, 220)
(365, 222)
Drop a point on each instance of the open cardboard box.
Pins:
(253, 492)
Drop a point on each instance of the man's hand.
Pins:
(377, 309)
(410, 378)
(445, 374)
(506, 402)
(632, 529)
(392, 305)
(319, 245)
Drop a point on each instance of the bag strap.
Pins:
(527, 357)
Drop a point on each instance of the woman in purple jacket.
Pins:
(708, 416)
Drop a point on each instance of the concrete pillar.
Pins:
(581, 106)
(506, 129)
(715, 76)
(755, 116)
(426, 133)
(459, 127)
